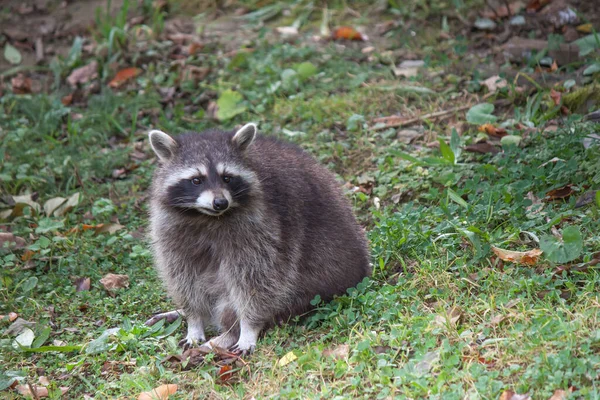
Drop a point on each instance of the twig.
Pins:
(422, 117)
(508, 8)
(493, 9)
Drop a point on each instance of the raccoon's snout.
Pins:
(220, 204)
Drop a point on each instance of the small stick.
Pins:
(422, 117)
(39, 50)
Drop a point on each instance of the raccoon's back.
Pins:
(315, 217)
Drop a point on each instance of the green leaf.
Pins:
(101, 343)
(565, 250)
(446, 151)
(598, 198)
(306, 70)
(455, 145)
(457, 199)
(592, 69)
(60, 349)
(29, 284)
(406, 157)
(11, 54)
(170, 329)
(509, 140)
(9, 377)
(481, 114)
(588, 44)
(48, 225)
(229, 105)
(42, 337)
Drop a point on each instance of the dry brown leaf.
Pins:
(38, 391)
(115, 281)
(123, 76)
(503, 11)
(160, 393)
(43, 380)
(21, 84)
(555, 96)
(492, 130)
(559, 394)
(348, 33)
(10, 241)
(12, 316)
(482, 147)
(510, 395)
(559, 194)
(536, 5)
(83, 74)
(496, 319)
(584, 28)
(392, 120)
(494, 83)
(225, 373)
(530, 257)
(67, 100)
(339, 352)
(82, 284)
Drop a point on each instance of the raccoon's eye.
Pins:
(196, 181)
(226, 179)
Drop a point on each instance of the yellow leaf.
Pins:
(160, 393)
(288, 358)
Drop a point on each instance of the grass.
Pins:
(442, 317)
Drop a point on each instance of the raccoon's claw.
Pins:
(188, 343)
(242, 352)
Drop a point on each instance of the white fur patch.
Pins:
(205, 200)
(186, 173)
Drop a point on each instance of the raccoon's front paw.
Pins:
(189, 342)
(243, 349)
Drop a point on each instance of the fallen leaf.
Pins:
(67, 100)
(160, 393)
(287, 31)
(12, 316)
(17, 327)
(510, 395)
(287, 358)
(83, 74)
(427, 362)
(586, 198)
(19, 203)
(43, 380)
(534, 203)
(10, 241)
(348, 33)
(100, 228)
(494, 83)
(482, 147)
(554, 66)
(123, 76)
(21, 84)
(115, 281)
(552, 160)
(530, 257)
(584, 28)
(496, 319)
(194, 48)
(408, 68)
(82, 284)
(38, 391)
(535, 5)
(225, 373)
(11, 54)
(492, 130)
(558, 394)
(391, 121)
(450, 318)
(339, 352)
(503, 11)
(559, 194)
(555, 96)
(52, 204)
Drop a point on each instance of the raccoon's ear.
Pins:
(244, 137)
(163, 145)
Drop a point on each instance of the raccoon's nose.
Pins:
(220, 204)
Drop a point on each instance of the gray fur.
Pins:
(288, 236)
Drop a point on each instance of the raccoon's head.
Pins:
(204, 174)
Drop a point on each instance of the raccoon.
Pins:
(246, 230)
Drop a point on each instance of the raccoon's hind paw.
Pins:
(242, 350)
(187, 342)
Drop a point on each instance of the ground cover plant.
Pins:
(464, 134)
